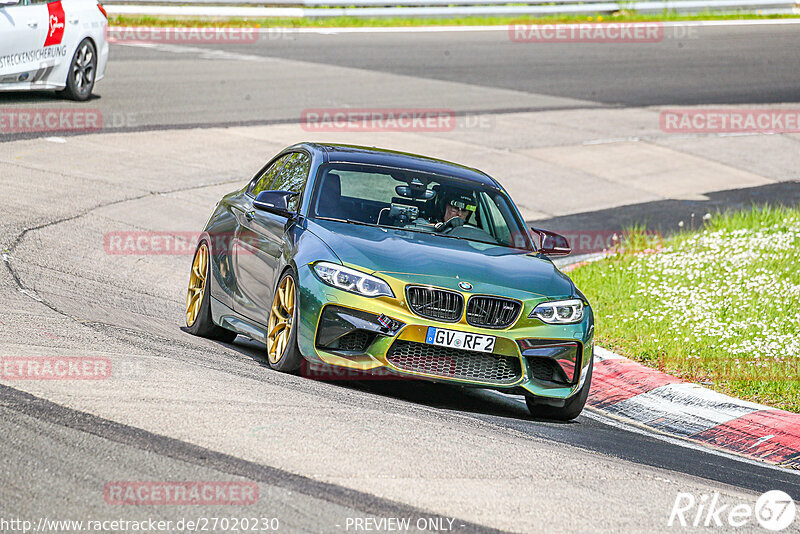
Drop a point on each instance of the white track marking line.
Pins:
(203, 53)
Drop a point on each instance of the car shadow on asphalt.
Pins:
(670, 216)
(36, 97)
(448, 397)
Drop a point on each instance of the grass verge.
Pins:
(720, 306)
(347, 22)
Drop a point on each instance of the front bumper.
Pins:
(342, 329)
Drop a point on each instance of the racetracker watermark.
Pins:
(54, 368)
(180, 493)
(139, 243)
(32, 120)
(750, 120)
(323, 372)
(378, 120)
(176, 243)
(193, 35)
(609, 32)
(774, 510)
(391, 120)
(589, 241)
(40, 120)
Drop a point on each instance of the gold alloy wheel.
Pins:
(280, 320)
(197, 284)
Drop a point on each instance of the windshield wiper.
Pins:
(348, 221)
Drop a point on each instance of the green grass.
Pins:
(719, 306)
(346, 22)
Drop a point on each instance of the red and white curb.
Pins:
(633, 392)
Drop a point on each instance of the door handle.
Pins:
(249, 215)
(33, 24)
(74, 20)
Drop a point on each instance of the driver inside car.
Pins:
(459, 205)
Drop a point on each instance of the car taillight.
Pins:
(102, 10)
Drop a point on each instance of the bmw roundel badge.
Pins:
(466, 286)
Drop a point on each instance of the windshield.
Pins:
(417, 201)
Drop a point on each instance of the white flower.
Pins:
(731, 294)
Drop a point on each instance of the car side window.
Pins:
(494, 222)
(293, 177)
(264, 181)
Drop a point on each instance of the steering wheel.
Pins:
(450, 225)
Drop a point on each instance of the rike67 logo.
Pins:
(55, 29)
(774, 510)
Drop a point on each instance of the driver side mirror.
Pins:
(551, 243)
(276, 202)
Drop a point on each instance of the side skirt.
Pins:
(227, 318)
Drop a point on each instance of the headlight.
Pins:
(351, 280)
(559, 311)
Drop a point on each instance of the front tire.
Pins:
(283, 353)
(82, 72)
(198, 299)
(571, 409)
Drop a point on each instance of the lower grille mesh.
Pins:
(453, 363)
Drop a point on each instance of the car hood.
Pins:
(416, 257)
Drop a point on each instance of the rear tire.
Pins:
(198, 299)
(82, 72)
(570, 410)
(283, 354)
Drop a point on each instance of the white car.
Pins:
(57, 45)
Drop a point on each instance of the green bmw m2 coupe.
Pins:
(366, 259)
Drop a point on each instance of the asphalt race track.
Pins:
(183, 125)
(282, 73)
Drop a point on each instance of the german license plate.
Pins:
(459, 340)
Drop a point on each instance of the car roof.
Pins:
(403, 160)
